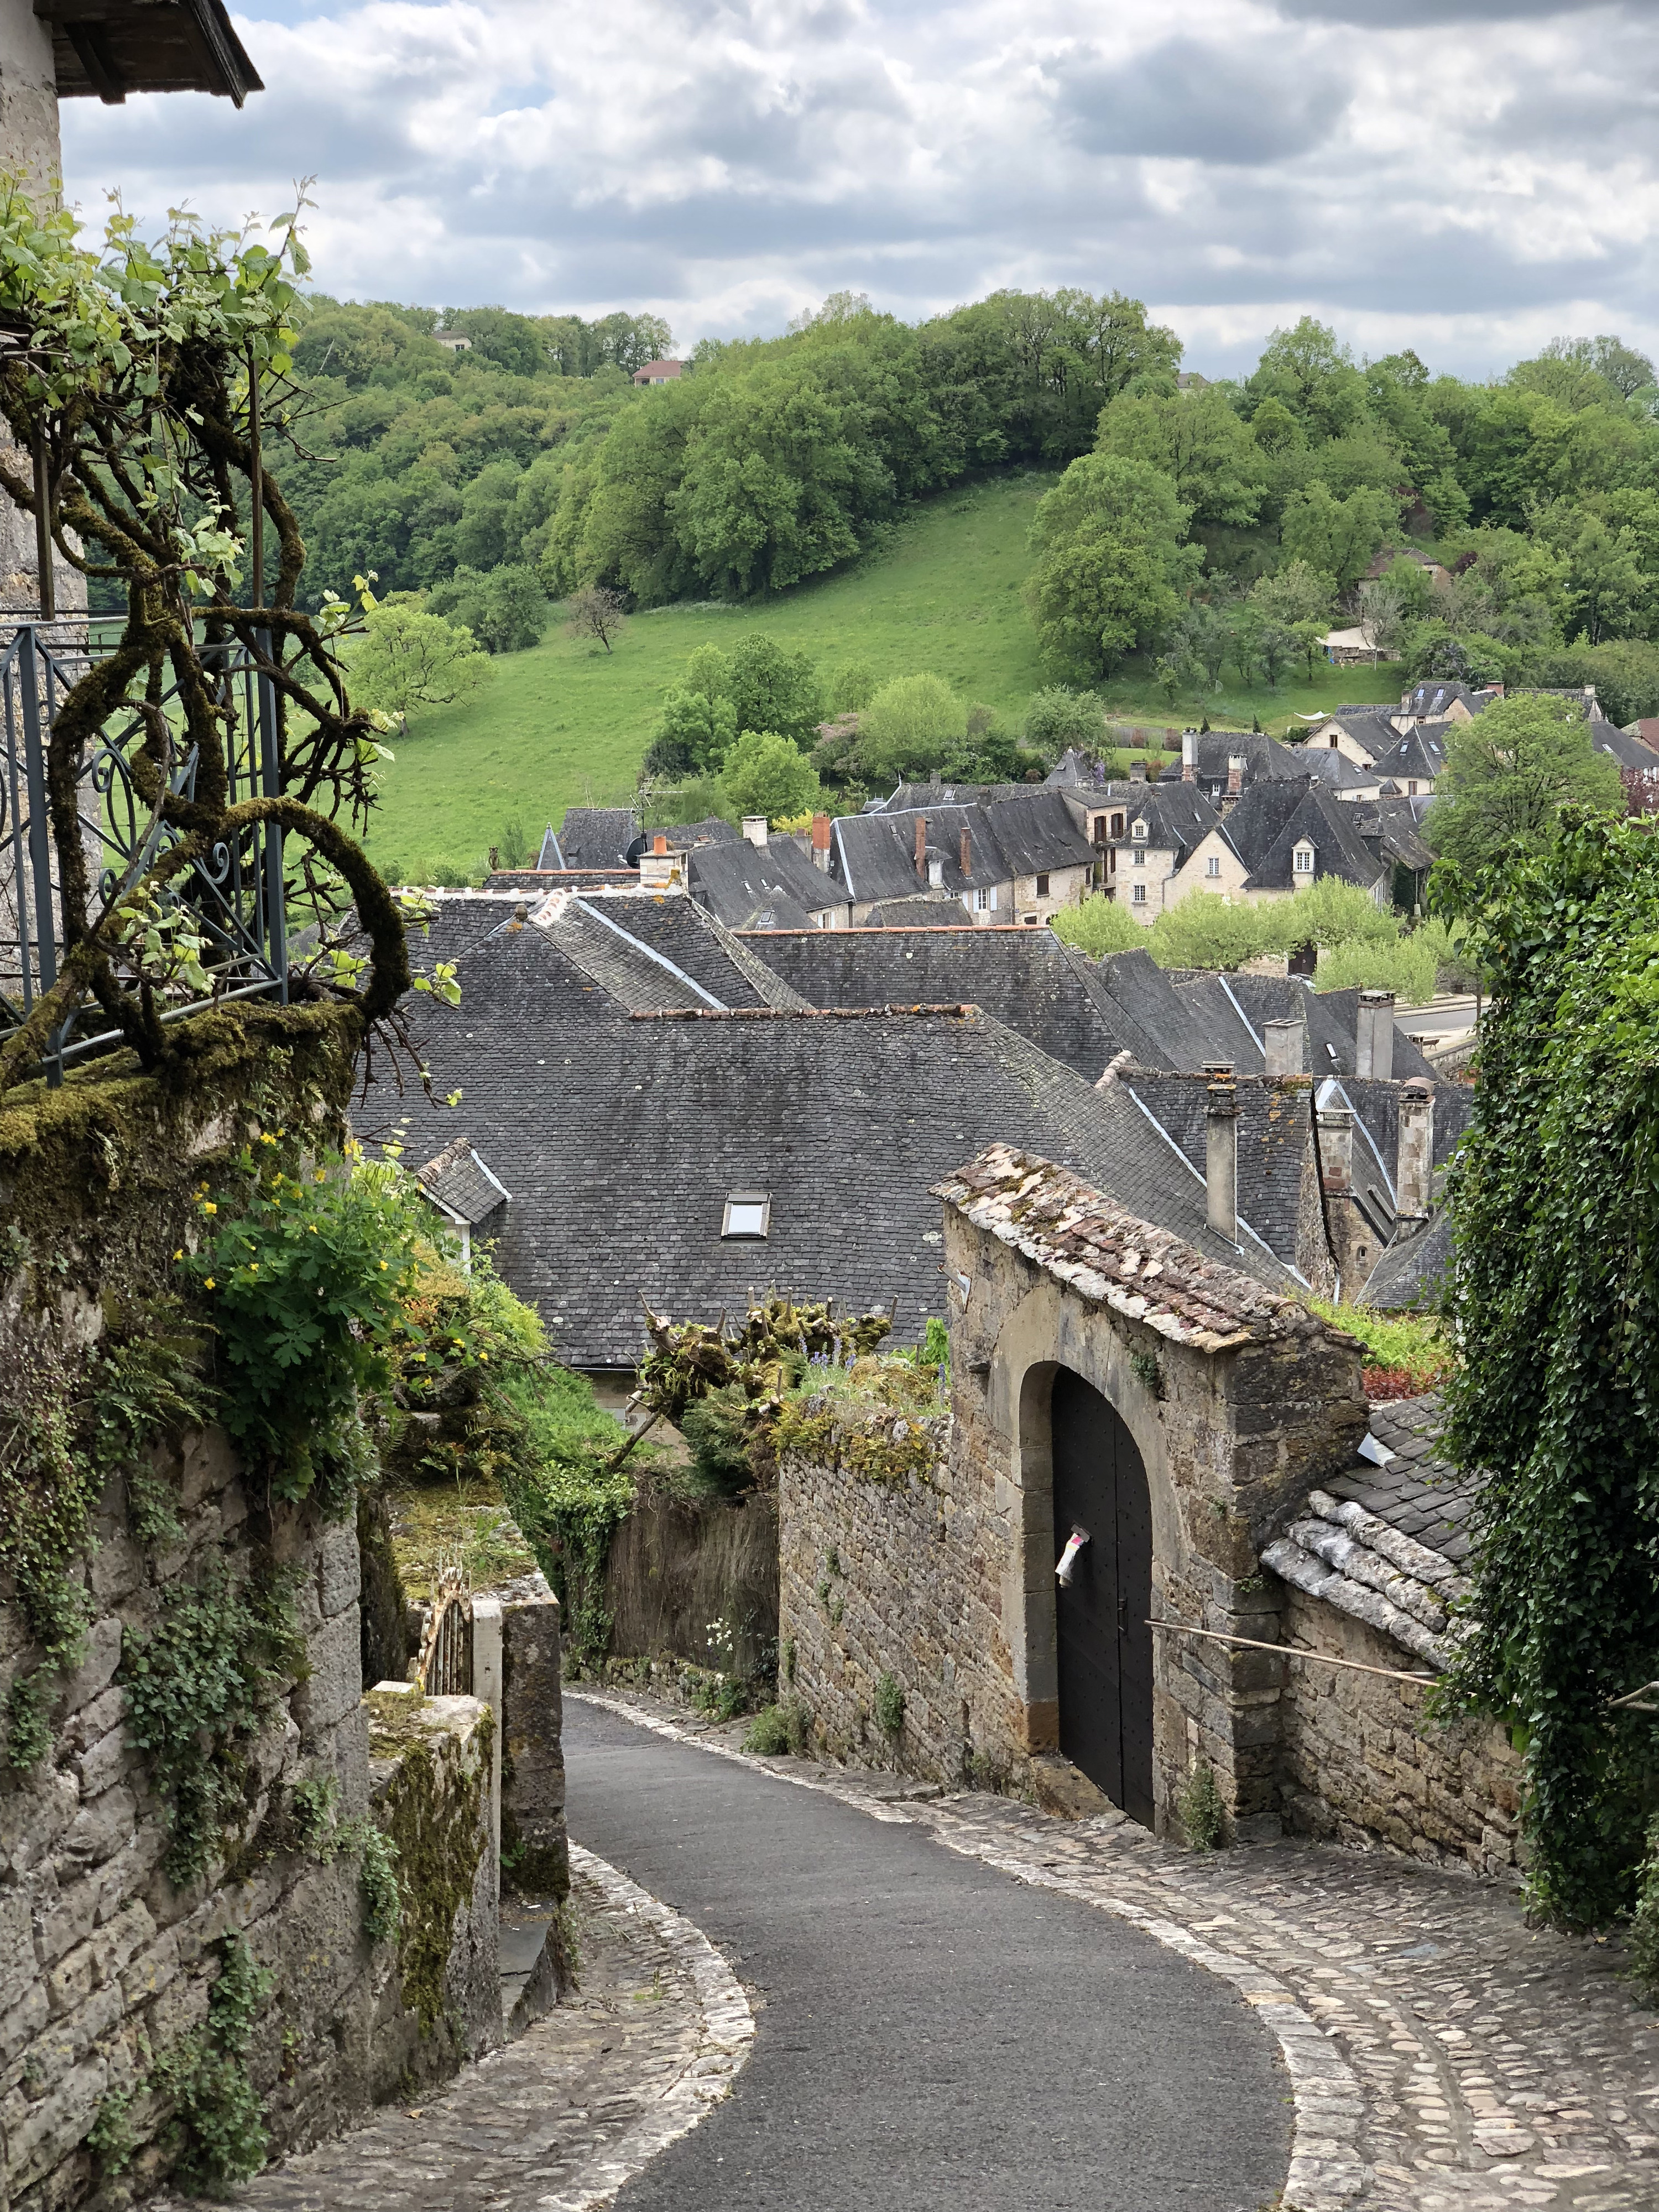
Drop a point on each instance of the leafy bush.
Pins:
(721, 1441)
(1203, 1815)
(307, 1285)
(890, 1704)
(1412, 1345)
(219, 2115)
(1057, 717)
(1448, 945)
(778, 1729)
(909, 726)
(1098, 926)
(1203, 931)
(1331, 912)
(505, 609)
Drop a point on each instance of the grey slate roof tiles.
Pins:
(461, 1184)
(1265, 834)
(1272, 1133)
(597, 837)
(1411, 1272)
(1265, 759)
(773, 886)
(1033, 832)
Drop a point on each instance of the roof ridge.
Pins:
(796, 1014)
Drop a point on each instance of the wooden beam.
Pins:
(92, 50)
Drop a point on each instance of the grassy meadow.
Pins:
(566, 724)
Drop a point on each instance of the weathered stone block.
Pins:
(537, 1855)
(334, 1686)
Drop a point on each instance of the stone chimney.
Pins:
(1373, 1044)
(921, 849)
(1414, 1168)
(1221, 1158)
(754, 829)
(967, 854)
(1189, 756)
(821, 841)
(1285, 1041)
(1335, 1125)
(1138, 771)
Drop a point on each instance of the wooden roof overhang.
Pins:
(108, 48)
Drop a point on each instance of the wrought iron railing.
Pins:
(231, 899)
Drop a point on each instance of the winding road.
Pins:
(933, 2035)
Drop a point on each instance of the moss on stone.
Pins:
(432, 1811)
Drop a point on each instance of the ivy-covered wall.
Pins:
(201, 1928)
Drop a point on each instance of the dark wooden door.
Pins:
(1105, 1647)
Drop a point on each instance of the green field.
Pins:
(566, 724)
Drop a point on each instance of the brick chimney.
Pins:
(1235, 775)
(1189, 755)
(754, 829)
(1221, 1158)
(1373, 1044)
(821, 841)
(967, 854)
(659, 843)
(1415, 1168)
(1284, 1041)
(921, 849)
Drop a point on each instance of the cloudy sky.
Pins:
(1465, 176)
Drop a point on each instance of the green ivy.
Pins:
(218, 2116)
(1554, 1304)
(199, 1688)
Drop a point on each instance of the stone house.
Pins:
(1020, 857)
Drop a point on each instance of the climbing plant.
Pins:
(1555, 1308)
(144, 388)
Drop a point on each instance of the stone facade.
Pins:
(1365, 1762)
(1240, 1403)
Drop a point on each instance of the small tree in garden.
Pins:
(596, 611)
(143, 385)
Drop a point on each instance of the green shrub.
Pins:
(721, 1443)
(377, 1885)
(890, 1704)
(909, 726)
(765, 774)
(1203, 1815)
(1204, 931)
(768, 1733)
(1331, 912)
(217, 2113)
(1098, 926)
(1412, 1345)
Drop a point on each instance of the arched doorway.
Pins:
(1103, 1643)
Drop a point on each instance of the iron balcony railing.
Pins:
(231, 899)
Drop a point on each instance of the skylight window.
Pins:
(748, 1214)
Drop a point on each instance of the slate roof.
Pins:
(1388, 1544)
(1393, 826)
(928, 911)
(1074, 767)
(554, 879)
(1369, 726)
(1412, 1271)
(1083, 1236)
(1336, 771)
(771, 886)
(621, 1137)
(1273, 1133)
(1433, 699)
(1419, 756)
(919, 798)
(1033, 832)
(1178, 817)
(1265, 759)
(460, 1185)
(1024, 977)
(653, 950)
(1264, 832)
(596, 837)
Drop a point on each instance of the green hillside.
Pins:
(566, 724)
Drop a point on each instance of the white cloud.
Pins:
(1468, 175)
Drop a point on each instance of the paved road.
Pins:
(933, 2036)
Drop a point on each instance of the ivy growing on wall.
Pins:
(1555, 1303)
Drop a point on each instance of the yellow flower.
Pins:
(209, 1282)
(321, 1176)
(253, 1267)
(383, 1267)
(180, 1253)
(208, 1206)
(313, 1227)
(265, 1137)
(484, 1356)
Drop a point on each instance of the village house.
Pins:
(1020, 859)
(659, 371)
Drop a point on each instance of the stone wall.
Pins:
(535, 1851)
(1363, 1763)
(108, 1963)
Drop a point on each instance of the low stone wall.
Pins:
(439, 1997)
(676, 1566)
(1363, 1763)
(535, 1848)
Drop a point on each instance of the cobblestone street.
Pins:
(1444, 2056)
(559, 2120)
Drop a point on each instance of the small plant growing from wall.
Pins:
(1203, 1815)
(890, 1704)
(1144, 1366)
(218, 2118)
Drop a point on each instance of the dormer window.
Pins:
(1303, 860)
(748, 1214)
(1140, 828)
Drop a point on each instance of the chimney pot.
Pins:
(659, 843)
(1414, 1168)
(967, 854)
(1284, 1040)
(1189, 756)
(754, 829)
(1221, 1158)
(921, 846)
